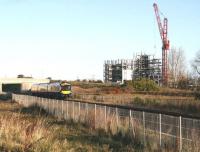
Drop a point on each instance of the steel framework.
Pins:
(146, 66)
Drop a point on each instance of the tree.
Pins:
(196, 70)
(176, 60)
(196, 63)
(20, 76)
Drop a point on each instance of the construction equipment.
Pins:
(163, 29)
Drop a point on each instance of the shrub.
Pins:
(197, 95)
(183, 83)
(145, 85)
(138, 100)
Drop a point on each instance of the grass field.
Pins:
(166, 99)
(31, 129)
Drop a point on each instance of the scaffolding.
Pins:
(146, 66)
(116, 71)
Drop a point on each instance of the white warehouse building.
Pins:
(19, 84)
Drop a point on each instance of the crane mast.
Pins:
(163, 29)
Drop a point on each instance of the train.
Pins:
(59, 90)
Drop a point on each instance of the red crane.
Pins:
(163, 29)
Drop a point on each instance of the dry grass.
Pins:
(179, 104)
(23, 131)
(20, 132)
(31, 129)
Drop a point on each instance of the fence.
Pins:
(165, 131)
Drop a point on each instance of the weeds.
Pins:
(23, 131)
(184, 107)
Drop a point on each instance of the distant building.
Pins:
(146, 66)
(116, 71)
(19, 84)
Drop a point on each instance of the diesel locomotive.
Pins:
(59, 90)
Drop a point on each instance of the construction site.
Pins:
(144, 65)
(134, 108)
(116, 71)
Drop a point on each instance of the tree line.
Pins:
(180, 75)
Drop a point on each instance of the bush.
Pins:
(197, 95)
(145, 85)
(6, 96)
(183, 83)
(128, 83)
(138, 100)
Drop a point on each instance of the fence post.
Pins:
(79, 110)
(160, 137)
(62, 107)
(67, 111)
(25, 101)
(39, 103)
(57, 109)
(86, 117)
(73, 111)
(87, 109)
(28, 100)
(143, 117)
(42, 103)
(105, 116)
(53, 107)
(95, 111)
(130, 120)
(116, 112)
(180, 123)
(48, 106)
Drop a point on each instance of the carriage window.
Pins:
(66, 87)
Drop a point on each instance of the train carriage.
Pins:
(52, 90)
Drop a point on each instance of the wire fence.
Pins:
(164, 131)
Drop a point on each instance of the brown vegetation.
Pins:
(24, 131)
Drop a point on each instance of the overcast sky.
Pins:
(70, 39)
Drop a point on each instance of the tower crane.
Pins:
(163, 29)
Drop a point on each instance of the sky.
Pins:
(70, 39)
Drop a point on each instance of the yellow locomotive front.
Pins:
(65, 89)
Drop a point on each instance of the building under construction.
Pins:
(116, 71)
(146, 66)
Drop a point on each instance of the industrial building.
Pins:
(19, 84)
(116, 71)
(146, 66)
